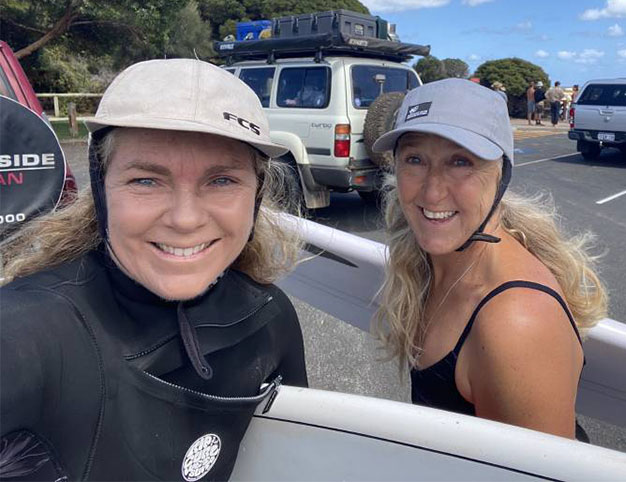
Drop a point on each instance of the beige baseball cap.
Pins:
(185, 95)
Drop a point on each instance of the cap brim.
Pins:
(475, 143)
(267, 148)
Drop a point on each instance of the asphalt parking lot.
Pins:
(343, 358)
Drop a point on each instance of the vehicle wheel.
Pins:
(589, 150)
(294, 197)
(378, 120)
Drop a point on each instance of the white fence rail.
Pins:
(55, 99)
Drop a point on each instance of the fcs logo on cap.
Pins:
(246, 124)
(419, 110)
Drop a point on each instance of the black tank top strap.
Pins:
(508, 285)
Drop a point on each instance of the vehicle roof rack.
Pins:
(319, 46)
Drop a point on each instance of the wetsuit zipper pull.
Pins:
(190, 342)
(274, 394)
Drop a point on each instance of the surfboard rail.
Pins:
(344, 278)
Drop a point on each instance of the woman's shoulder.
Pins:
(76, 271)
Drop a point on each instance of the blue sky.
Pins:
(572, 40)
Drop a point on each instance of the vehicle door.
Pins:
(302, 105)
(367, 82)
(260, 79)
(602, 108)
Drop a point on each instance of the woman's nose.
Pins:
(186, 211)
(434, 186)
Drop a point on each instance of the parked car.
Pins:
(598, 117)
(320, 95)
(15, 85)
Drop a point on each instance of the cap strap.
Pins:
(479, 235)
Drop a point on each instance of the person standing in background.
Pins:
(555, 95)
(539, 97)
(574, 93)
(530, 102)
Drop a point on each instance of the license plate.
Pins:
(606, 136)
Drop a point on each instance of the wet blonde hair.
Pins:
(68, 233)
(400, 321)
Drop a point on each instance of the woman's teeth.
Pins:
(438, 214)
(181, 251)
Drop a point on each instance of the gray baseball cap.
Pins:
(459, 110)
(185, 95)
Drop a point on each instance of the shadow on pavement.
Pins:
(348, 212)
(608, 158)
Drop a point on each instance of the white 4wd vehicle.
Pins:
(598, 117)
(317, 103)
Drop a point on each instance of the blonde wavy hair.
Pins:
(400, 321)
(71, 231)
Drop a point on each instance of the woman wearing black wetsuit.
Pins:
(484, 298)
(140, 329)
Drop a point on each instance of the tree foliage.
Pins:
(515, 74)
(431, 68)
(456, 68)
(224, 14)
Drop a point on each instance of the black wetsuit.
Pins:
(435, 385)
(97, 380)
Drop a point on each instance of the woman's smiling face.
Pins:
(180, 207)
(445, 191)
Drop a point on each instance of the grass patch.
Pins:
(62, 130)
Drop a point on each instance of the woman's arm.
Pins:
(524, 362)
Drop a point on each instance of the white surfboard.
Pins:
(314, 435)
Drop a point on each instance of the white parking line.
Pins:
(610, 198)
(546, 159)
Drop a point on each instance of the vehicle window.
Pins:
(603, 94)
(5, 87)
(304, 87)
(260, 80)
(365, 88)
(232, 71)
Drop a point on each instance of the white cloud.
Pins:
(589, 56)
(473, 57)
(615, 31)
(586, 56)
(613, 9)
(401, 5)
(541, 54)
(566, 55)
(473, 3)
(527, 25)
(622, 53)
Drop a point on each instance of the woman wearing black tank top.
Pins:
(484, 298)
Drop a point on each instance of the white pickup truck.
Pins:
(598, 117)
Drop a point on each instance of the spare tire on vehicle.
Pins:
(32, 167)
(379, 119)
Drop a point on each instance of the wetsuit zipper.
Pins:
(271, 387)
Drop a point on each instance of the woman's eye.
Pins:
(222, 181)
(143, 181)
(413, 160)
(462, 162)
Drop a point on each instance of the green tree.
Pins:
(191, 37)
(515, 74)
(430, 69)
(29, 25)
(455, 68)
(224, 14)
